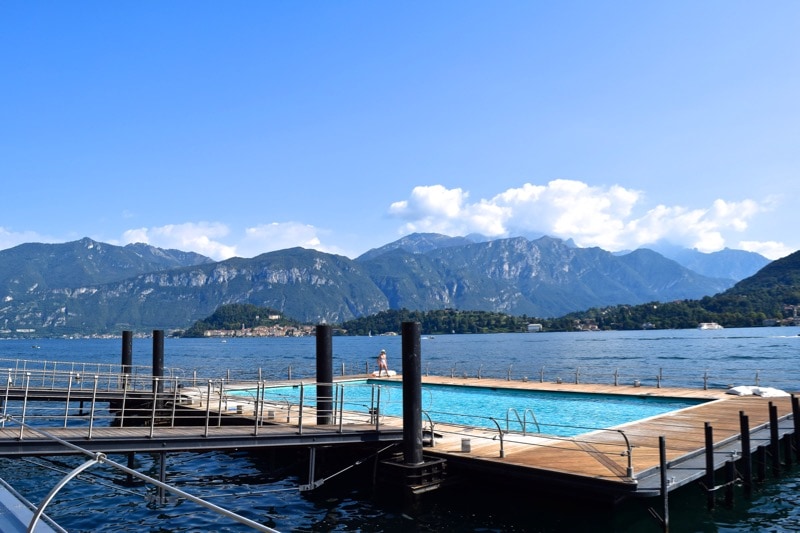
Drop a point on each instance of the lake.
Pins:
(256, 487)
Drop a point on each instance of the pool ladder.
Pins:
(523, 421)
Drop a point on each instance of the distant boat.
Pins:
(709, 325)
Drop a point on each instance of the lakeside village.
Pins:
(263, 331)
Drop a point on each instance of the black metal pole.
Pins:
(662, 459)
(127, 356)
(709, 432)
(730, 476)
(796, 416)
(127, 351)
(412, 393)
(158, 360)
(774, 440)
(324, 375)
(747, 461)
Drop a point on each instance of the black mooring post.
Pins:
(796, 416)
(774, 440)
(127, 358)
(412, 394)
(662, 459)
(730, 477)
(158, 360)
(324, 375)
(127, 351)
(709, 432)
(761, 463)
(747, 460)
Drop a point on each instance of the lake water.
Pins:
(256, 487)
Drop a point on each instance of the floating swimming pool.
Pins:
(552, 413)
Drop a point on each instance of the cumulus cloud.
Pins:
(201, 237)
(770, 249)
(214, 239)
(281, 235)
(9, 239)
(612, 218)
(436, 209)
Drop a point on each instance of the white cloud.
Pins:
(439, 210)
(9, 239)
(201, 237)
(281, 235)
(217, 241)
(769, 249)
(609, 217)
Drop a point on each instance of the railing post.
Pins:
(628, 453)
(122, 409)
(340, 390)
(500, 433)
(94, 402)
(300, 412)
(24, 402)
(208, 408)
(377, 410)
(156, 386)
(5, 400)
(174, 400)
(255, 406)
(219, 405)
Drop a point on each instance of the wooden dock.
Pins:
(625, 460)
(615, 463)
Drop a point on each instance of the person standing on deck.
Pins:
(382, 364)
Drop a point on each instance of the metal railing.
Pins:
(101, 458)
(787, 378)
(164, 402)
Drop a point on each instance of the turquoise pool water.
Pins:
(555, 413)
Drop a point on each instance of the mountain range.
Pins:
(88, 287)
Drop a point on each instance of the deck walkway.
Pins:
(598, 460)
(617, 462)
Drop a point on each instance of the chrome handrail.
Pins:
(97, 458)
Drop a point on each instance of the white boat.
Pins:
(709, 325)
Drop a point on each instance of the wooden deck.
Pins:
(620, 461)
(598, 460)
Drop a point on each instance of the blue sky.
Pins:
(237, 128)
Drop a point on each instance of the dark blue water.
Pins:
(264, 490)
